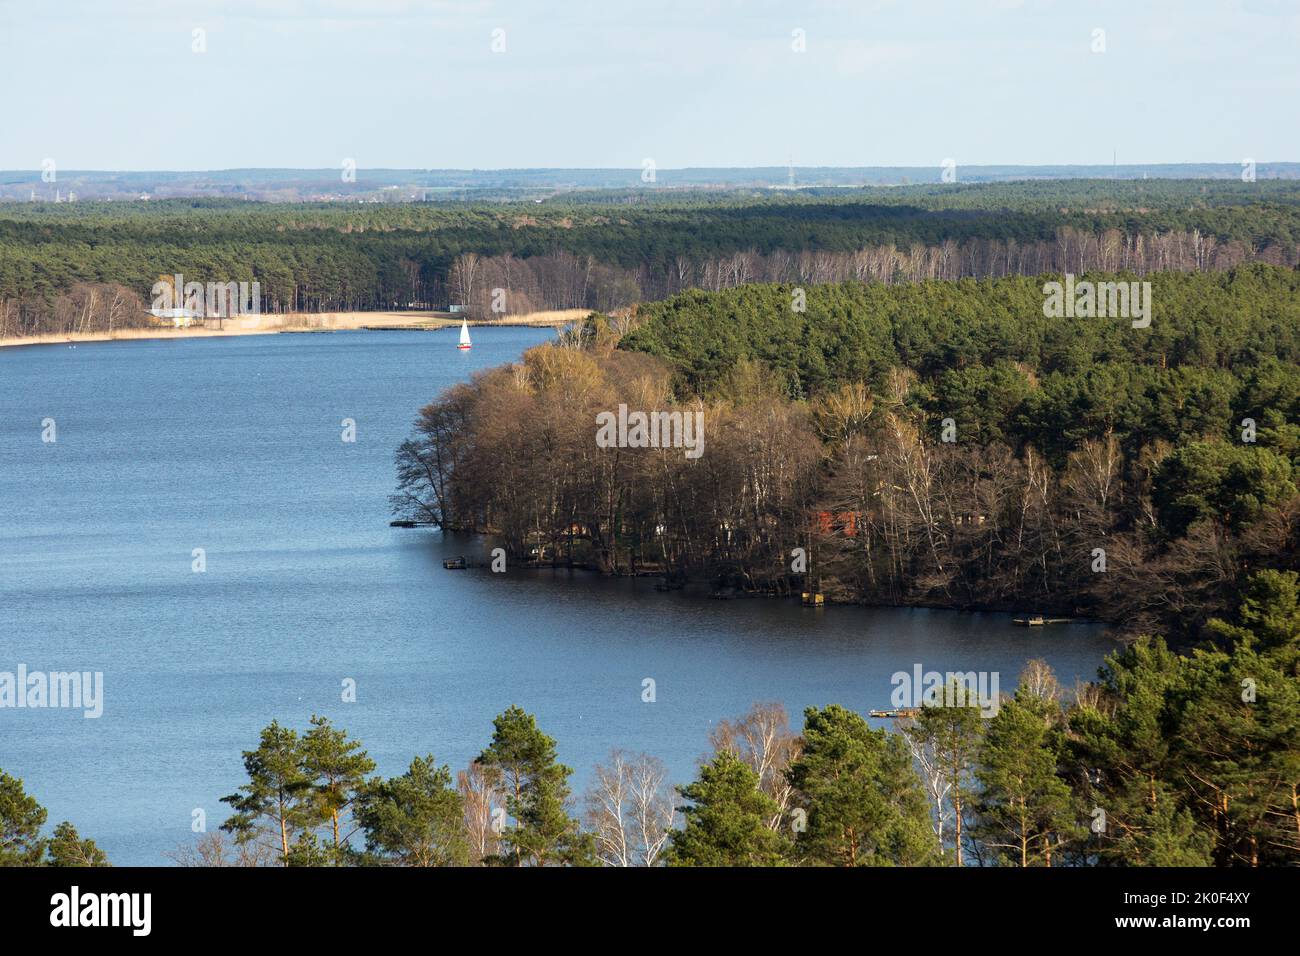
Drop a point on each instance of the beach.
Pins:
(271, 324)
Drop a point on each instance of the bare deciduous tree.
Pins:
(630, 809)
(213, 849)
(481, 799)
(764, 740)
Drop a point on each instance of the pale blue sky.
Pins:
(113, 84)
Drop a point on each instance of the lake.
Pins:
(233, 446)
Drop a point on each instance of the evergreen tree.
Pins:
(307, 850)
(865, 804)
(1268, 617)
(1227, 483)
(726, 819)
(21, 819)
(523, 762)
(416, 819)
(1120, 755)
(337, 768)
(21, 843)
(1160, 833)
(67, 848)
(1024, 810)
(949, 739)
(275, 804)
(1240, 735)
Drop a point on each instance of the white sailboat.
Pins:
(464, 336)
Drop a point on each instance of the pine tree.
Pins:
(1024, 811)
(1119, 752)
(67, 848)
(21, 843)
(1268, 616)
(523, 761)
(948, 740)
(726, 819)
(337, 768)
(275, 803)
(1160, 834)
(416, 819)
(307, 850)
(21, 819)
(1239, 741)
(865, 804)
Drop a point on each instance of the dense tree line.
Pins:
(84, 307)
(490, 285)
(611, 250)
(937, 443)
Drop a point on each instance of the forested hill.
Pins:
(985, 353)
(939, 443)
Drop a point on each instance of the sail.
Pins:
(464, 332)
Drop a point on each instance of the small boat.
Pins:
(455, 564)
(465, 343)
(1029, 621)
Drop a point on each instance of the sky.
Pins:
(486, 84)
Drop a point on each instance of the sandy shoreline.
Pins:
(303, 322)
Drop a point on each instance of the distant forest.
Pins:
(408, 185)
(936, 443)
(89, 266)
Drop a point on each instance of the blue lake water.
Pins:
(233, 445)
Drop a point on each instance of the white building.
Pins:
(179, 318)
